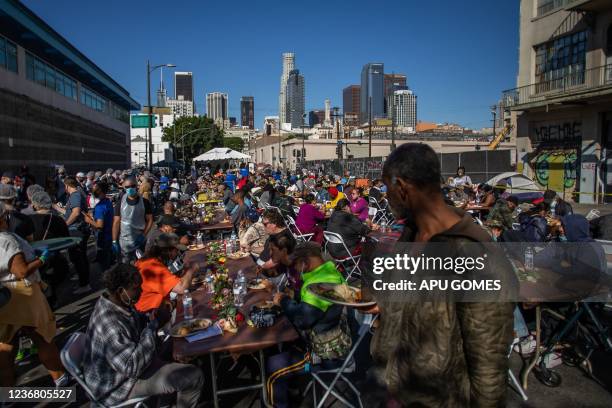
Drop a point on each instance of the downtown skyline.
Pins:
(458, 68)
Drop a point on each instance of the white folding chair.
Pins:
(72, 359)
(347, 367)
(297, 234)
(511, 377)
(352, 260)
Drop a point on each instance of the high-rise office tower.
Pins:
(372, 92)
(296, 100)
(216, 107)
(350, 104)
(288, 66)
(183, 86)
(404, 105)
(393, 82)
(247, 112)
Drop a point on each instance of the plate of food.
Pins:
(187, 327)
(196, 247)
(238, 255)
(339, 293)
(257, 284)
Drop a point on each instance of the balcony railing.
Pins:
(574, 83)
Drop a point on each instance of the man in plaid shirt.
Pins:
(120, 359)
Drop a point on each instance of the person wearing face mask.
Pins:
(74, 215)
(132, 221)
(465, 349)
(120, 359)
(102, 223)
(159, 272)
(323, 323)
(81, 179)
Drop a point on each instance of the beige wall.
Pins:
(325, 149)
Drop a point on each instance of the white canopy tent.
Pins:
(517, 181)
(221, 153)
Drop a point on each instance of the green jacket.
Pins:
(325, 273)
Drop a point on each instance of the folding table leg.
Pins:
(213, 373)
(264, 380)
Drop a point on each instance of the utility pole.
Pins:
(370, 126)
(392, 122)
(149, 145)
(494, 112)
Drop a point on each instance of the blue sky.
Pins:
(458, 56)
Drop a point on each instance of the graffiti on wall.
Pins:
(562, 132)
(555, 169)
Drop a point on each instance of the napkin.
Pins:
(212, 331)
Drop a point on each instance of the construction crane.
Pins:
(500, 137)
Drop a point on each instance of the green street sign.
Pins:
(141, 121)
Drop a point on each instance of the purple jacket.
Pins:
(359, 207)
(308, 217)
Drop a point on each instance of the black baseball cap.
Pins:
(169, 241)
(168, 219)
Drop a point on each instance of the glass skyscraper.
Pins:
(372, 92)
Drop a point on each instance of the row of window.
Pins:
(8, 55)
(45, 75)
(546, 6)
(561, 57)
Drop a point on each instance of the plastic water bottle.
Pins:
(234, 238)
(553, 211)
(229, 247)
(199, 240)
(383, 226)
(187, 305)
(239, 289)
(529, 259)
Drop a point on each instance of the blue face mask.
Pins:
(131, 191)
(562, 238)
(383, 189)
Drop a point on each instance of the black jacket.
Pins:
(349, 228)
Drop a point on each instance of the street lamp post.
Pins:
(183, 135)
(150, 110)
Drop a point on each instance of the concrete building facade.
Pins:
(351, 104)
(216, 108)
(57, 107)
(562, 105)
(138, 136)
(180, 107)
(403, 104)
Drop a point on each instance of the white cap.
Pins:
(80, 174)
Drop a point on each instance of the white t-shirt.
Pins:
(11, 245)
(462, 181)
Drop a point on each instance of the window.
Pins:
(546, 6)
(560, 61)
(46, 75)
(120, 113)
(8, 55)
(92, 99)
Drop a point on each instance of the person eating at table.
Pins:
(157, 278)
(274, 226)
(344, 223)
(335, 196)
(167, 224)
(240, 210)
(252, 234)
(359, 205)
(322, 323)
(27, 311)
(308, 219)
(461, 179)
(120, 359)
